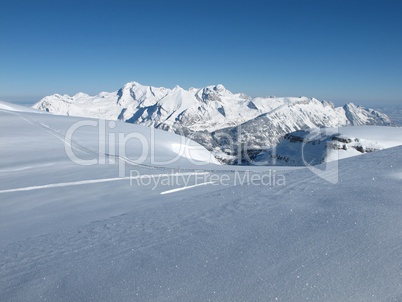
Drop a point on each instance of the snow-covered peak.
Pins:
(214, 93)
(132, 84)
(358, 115)
(136, 94)
(177, 88)
(80, 95)
(219, 88)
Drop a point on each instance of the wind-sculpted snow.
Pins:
(212, 115)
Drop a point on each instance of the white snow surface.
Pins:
(385, 136)
(100, 239)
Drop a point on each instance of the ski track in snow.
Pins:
(93, 181)
(24, 168)
(115, 235)
(186, 187)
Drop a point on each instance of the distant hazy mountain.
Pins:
(213, 116)
(394, 112)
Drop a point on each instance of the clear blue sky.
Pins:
(335, 50)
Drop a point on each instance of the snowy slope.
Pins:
(15, 107)
(316, 146)
(210, 113)
(93, 139)
(80, 233)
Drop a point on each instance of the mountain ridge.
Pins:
(209, 113)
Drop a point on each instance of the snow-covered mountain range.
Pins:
(213, 116)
